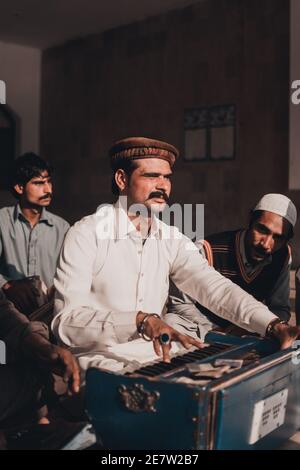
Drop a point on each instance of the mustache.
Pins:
(158, 194)
(46, 196)
(261, 252)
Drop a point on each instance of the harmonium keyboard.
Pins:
(238, 393)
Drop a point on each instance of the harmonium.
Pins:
(237, 393)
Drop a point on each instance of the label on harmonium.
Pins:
(268, 415)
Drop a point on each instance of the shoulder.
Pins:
(58, 221)
(104, 213)
(221, 237)
(283, 257)
(6, 213)
(100, 223)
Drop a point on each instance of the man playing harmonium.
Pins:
(112, 280)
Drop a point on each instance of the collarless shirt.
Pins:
(27, 251)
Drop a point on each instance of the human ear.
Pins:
(121, 179)
(19, 189)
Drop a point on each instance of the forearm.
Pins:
(193, 276)
(87, 329)
(18, 341)
(184, 306)
(14, 327)
(12, 322)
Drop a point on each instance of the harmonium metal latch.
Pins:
(137, 399)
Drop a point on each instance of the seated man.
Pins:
(257, 259)
(30, 236)
(26, 361)
(112, 280)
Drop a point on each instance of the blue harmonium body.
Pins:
(164, 406)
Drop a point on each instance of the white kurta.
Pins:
(106, 274)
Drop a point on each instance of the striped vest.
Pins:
(223, 253)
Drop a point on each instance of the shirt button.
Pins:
(142, 274)
(141, 300)
(140, 252)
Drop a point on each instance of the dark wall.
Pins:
(137, 80)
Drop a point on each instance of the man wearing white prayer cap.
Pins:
(280, 205)
(258, 259)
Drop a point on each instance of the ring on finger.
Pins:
(164, 339)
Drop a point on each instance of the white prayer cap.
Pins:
(278, 204)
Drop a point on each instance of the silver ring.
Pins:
(164, 339)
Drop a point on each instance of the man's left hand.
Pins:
(286, 334)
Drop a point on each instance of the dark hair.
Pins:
(121, 164)
(255, 215)
(26, 167)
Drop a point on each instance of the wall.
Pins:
(294, 121)
(20, 68)
(294, 173)
(137, 80)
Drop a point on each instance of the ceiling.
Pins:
(44, 23)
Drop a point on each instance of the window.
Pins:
(210, 133)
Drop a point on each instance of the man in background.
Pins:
(30, 236)
(258, 259)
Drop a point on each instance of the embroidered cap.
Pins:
(278, 204)
(134, 148)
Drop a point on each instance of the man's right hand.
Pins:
(60, 360)
(155, 327)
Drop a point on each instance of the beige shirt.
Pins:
(106, 274)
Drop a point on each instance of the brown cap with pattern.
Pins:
(134, 148)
